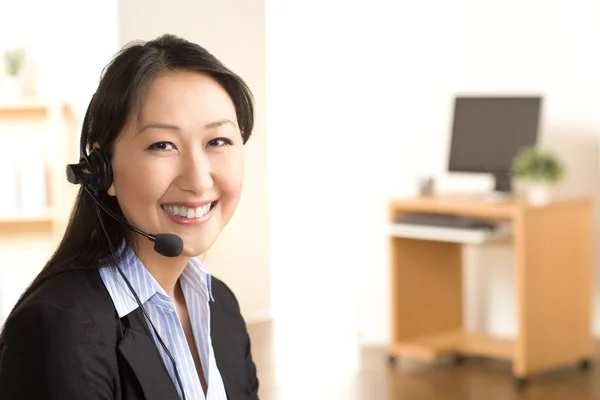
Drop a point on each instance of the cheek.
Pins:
(137, 189)
(230, 180)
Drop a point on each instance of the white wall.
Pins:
(234, 31)
(328, 148)
(362, 94)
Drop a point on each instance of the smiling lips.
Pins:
(189, 214)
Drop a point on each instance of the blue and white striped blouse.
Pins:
(196, 287)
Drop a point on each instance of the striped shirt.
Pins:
(196, 287)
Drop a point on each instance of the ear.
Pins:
(111, 189)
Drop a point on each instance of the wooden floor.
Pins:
(474, 379)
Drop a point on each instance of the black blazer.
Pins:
(66, 342)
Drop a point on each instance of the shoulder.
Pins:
(75, 290)
(224, 295)
(61, 330)
(63, 305)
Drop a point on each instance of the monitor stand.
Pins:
(502, 188)
(503, 183)
(496, 197)
(501, 192)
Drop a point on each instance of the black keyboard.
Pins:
(445, 221)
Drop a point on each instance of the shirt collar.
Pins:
(198, 277)
(144, 284)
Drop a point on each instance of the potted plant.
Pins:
(539, 170)
(10, 87)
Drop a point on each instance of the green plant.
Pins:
(538, 165)
(14, 60)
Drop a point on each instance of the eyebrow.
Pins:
(210, 125)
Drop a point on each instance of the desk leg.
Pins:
(426, 288)
(553, 261)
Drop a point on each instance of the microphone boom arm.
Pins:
(115, 216)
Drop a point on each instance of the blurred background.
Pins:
(355, 107)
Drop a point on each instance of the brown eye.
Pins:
(219, 142)
(162, 146)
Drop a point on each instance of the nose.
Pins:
(196, 174)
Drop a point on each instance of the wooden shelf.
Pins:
(33, 111)
(26, 223)
(25, 218)
(431, 347)
(36, 111)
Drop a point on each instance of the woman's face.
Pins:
(178, 166)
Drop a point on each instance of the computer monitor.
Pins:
(488, 132)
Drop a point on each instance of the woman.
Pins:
(112, 315)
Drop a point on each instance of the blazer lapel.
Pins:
(139, 349)
(223, 337)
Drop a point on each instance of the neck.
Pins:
(165, 270)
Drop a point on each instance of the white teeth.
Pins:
(198, 212)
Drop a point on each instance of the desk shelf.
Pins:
(446, 234)
(454, 343)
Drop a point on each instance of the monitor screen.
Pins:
(488, 132)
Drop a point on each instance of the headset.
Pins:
(94, 174)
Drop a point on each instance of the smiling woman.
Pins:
(111, 316)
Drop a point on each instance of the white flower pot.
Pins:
(539, 193)
(10, 90)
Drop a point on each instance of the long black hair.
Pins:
(119, 93)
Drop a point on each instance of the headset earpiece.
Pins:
(93, 170)
(101, 170)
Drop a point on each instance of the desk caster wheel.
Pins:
(392, 360)
(520, 383)
(458, 360)
(584, 365)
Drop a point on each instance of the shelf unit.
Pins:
(553, 263)
(46, 130)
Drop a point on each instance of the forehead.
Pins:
(186, 97)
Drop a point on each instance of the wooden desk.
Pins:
(553, 261)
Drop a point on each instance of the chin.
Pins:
(196, 249)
